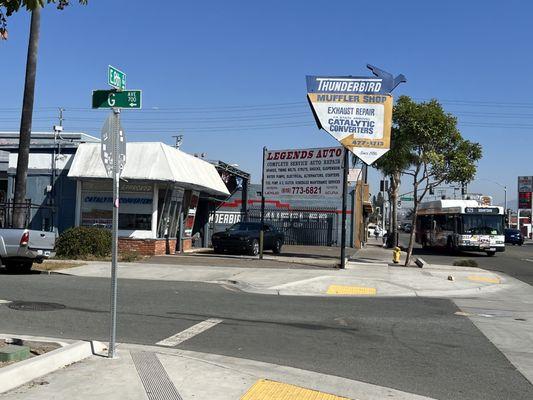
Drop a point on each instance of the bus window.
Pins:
(474, 224)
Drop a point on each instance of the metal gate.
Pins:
(303, 226)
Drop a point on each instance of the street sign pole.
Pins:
(114, 248)
(343, 222)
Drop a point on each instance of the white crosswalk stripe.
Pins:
(194, 330)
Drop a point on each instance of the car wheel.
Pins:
(254, 249)
(491, 253)
(276, 249)
(218, 250)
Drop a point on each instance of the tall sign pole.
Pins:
(262, 231)
(114, 233)
(113, 154)
(346, 159)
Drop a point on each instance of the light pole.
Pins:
(504, 194)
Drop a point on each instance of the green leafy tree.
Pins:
(7, 8)
(437, 151)
(392, 164)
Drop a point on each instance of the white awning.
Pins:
(152, 161)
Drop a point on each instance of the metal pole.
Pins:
(114, 248)
(505, 206)
(343, 221)
(261, 232)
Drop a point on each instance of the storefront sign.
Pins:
(524, 200)
(303, 172)
(357, 111)
(525, 184)
(192, 201)
(225, 217)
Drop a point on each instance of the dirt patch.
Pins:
(36, 348)
(53, 265)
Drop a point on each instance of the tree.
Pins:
(7, 8)
(438, 152)
(392, 164)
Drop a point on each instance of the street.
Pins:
(516, 261)
(417, 345)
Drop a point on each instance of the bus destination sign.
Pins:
(482, 210)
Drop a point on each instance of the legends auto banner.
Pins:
(355, 111)
(303, 172)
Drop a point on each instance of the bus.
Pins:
(461, 225)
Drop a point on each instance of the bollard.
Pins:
(396, 252)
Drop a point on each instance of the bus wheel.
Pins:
(491, 253)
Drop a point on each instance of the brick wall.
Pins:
(146, 247)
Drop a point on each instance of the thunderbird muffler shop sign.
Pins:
(357, 111)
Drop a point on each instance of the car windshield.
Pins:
(482, 224)
(245, 226)
(512, 231)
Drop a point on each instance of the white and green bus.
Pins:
(461, 225)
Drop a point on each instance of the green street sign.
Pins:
(407, 198)
(116, 78)
(115, 99)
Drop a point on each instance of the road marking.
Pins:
(527, 259)
(351, 290)
(485, 279)
(189, 333)
(272, 390)
(4, 301)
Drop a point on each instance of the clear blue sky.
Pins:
(230, 75)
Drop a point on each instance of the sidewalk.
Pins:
(292, 256)
(147, 372)
(368, 274)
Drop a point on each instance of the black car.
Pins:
(244, 237)
(514, 236)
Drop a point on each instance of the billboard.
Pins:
(310, 173)
(355, 110)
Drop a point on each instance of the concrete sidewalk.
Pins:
(368, 274)
(147, 372)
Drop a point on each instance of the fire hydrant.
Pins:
(396, 252)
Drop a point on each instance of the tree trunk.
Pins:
(392, 240)
(19, 211)
(413, 227)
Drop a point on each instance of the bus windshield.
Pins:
(482, 224)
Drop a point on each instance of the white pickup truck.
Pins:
(20, 248)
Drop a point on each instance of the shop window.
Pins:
(135, 222)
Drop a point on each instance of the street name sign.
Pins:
(115, 99)
(355, 110)
(116, 78)
(407, 198)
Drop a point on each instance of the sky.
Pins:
(230, 76)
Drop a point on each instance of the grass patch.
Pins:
(465, 263)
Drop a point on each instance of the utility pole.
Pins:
(179, 141)
(19, 212)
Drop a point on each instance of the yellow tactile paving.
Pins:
(486, 279)
(272, 390)
(351, 290)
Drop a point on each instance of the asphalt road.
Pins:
(413, 344)
(516, 261)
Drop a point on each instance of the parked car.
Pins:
(244, 237)
(20, 248)
(372, 229)
(514, 236)
(407, 227)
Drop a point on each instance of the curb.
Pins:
(25, 371)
